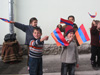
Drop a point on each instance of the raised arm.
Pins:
(39, 42)
(36, 43)
(20, 26)
(62, 28)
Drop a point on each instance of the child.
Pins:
(35, 52)
(62, 28)
(28, 29)
(72, 18)
(69, 54)
(95, 44)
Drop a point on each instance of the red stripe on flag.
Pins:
(62, 37)
(66, 21)
(84, 32)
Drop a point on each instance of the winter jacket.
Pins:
(94, 36)
(69, 53)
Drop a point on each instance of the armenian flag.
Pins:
(59, 38)
(82, 35)
(93, 16)
(6, 20)
(67, 22)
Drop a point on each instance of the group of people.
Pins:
(69, 54)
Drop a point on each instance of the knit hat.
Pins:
(69, 29)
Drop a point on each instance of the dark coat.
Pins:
(94, 36)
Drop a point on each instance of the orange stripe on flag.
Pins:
(78, 37)
(58, 44)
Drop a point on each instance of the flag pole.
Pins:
(11, 18)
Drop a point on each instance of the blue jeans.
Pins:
(68, 68)
(35, 66)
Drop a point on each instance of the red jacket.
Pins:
(94, 36)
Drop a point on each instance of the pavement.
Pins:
(77, 73)
(51, 66)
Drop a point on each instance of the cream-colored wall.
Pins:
(4, 27)
(49, 12)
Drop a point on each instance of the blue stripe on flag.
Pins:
(57, 36)
(82, 35)
(67, 23)
(5, 20)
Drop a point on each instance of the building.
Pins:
(48, 13)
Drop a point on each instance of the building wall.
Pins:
(4, 27)
(48, 13)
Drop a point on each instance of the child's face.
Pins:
(70, 35)
(71, 19)
(37, 34)
(34, 23)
